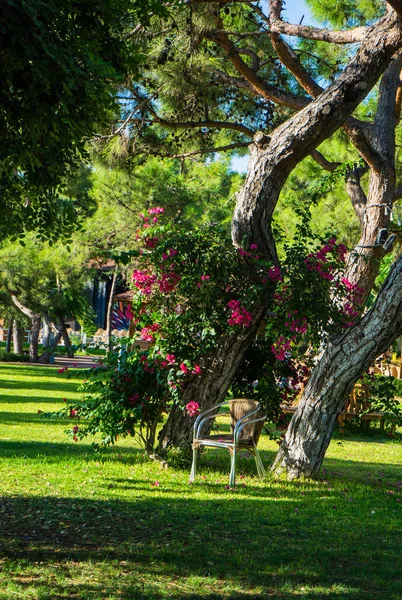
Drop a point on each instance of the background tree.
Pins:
(60, 65)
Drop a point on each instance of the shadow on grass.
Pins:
(238, 543)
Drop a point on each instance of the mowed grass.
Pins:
(75, 524)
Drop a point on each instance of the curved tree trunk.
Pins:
(18, 337)
(343, 362)
(45, 357)
(9, 335)
(62, 329)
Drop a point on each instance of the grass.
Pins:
(114, 526)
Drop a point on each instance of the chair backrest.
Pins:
(240, 407)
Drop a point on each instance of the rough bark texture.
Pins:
(34, 338)
(44, 358)
(62, 329)
(345, 359)
(18, 337)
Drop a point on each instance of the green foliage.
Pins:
(12, 357)
(383, 392)
(193, 288)
(61, 63)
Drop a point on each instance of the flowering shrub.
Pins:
(190, 289)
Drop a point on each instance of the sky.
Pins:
(295, 9)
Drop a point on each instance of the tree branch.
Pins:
(256, 82)
(233, 146)
(24, 309)
(323, 162)
(206, 123)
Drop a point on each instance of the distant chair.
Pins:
(246, 425)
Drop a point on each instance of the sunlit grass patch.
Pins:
(75, 524)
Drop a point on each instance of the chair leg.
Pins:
(232, 478)
(259, 464)
(194, 464)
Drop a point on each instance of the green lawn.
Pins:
(78, 525)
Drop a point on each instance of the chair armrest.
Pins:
(200, 419)
(243, 419)
(239, 426)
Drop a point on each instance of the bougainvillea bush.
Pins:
(191, 288)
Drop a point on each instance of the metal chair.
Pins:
(245, 433)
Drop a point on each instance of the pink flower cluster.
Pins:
(196, 370)
(239, 314)
(275, 274)
(281, 348)
(146, 332)
(295, 324)
(319, 261)
(151, 242)
(172, 252)
(193, 408)
(157, 210)
(143, 280)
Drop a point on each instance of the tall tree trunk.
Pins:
(343, 362)
(9, 335)
(109, 312)
(18, 337)
(36, 319)
(46, 328)
(34, 337)
(66, 338)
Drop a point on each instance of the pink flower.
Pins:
(192, 408)
(253, 246)
(275, 274)
(134, 398)
(205, 277)
(170, 359)
(242, 252)
(157, 210)
(62, 370)
(155, 484)
(184, 368)
(75, 429)
(197, 370)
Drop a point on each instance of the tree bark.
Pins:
(62, 329)
(18, 337)
(44, 358)
(9, 335)
(343, 362)
(36, 319)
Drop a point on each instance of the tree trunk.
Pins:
(343, 362)
(45, 357)
(34, 338)
(46, 328)
(36, 319)
(109, 313)
(66, 338)
(9, 335)
(211, 387)
(18, 337)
